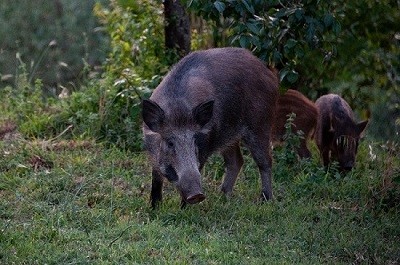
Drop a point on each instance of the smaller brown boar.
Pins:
(306, 118)
(337, 134)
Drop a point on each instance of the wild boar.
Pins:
(337, 134)
(306, 118)
(209, 102)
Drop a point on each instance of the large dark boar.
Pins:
(306, 118)
(210, 101)
(337, 134)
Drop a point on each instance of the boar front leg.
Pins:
(233, 163)
(325, 156)
(303, 150)
(156, 188)
(259, 146)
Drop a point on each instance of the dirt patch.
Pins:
(8, 131)
(67, 145)
(39, 163)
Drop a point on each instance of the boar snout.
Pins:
(196, 198)
(348, 166)
(190, 188)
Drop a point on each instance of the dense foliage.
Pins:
(106, 105)
(280, 33)
(133, 68)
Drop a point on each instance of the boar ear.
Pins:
(203, 113)
(361, 127)
(153, 115)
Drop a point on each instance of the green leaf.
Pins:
(219, 6)
(281, 13)
(277, 57)
(253, 28)
(244, 41)
(290, 43)
(299, 52)
(292, 76)
(336, 27)
(255, 40)
(249, 7)
(328, 20)
(299, 13)
(282, 74)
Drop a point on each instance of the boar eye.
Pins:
(170, 144)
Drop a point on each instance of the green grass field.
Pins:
(78, 202)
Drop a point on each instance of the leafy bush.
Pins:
(25, 104)
(280, 34)
(133, 68)
(291, 142)
(107, 105)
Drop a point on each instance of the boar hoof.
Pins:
(195, 198)
(266, 196)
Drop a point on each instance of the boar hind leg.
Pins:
(233, 163)
(156, 188)
(259, 146)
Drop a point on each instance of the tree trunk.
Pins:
(177, 29)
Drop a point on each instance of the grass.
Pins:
(78, 202)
